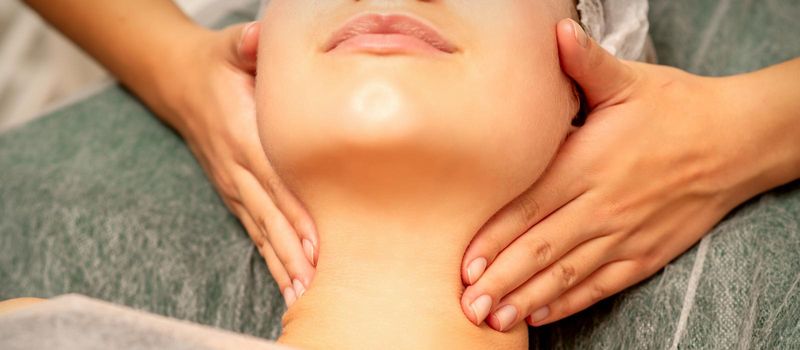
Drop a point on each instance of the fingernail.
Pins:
(308, 247)
(289, 296)
(475, 269)
(580, 34)
(247, 28)
(307, 228)
(505, 316)
(480, 308)
(299, 288)
(540, 314)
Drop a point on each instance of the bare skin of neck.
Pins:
(391, 279)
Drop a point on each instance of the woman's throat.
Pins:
(389, 283)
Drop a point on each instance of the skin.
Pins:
(399, 166)
(200, 82)
(679, 139)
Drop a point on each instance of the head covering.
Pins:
(619, 26)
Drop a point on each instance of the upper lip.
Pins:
(374, 23)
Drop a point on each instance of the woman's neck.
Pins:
(390, 279)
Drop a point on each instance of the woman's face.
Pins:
(482, 105)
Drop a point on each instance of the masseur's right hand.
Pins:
(201, 83)
(662, 158)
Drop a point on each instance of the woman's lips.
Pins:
(388, 34)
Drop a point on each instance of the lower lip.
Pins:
(386, 44)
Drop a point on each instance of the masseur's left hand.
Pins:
(663, 157)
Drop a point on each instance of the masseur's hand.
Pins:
(215, 113)
(200, 82)
(664, 155)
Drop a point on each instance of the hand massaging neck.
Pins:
(401, 157)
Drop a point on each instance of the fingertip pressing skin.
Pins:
(475, 269)
(568, 44)
(480, 308)
(289, 296)
(308, 247)
(248, 44)
(503, 318)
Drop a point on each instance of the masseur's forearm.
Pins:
(770, 100)
(137, 41)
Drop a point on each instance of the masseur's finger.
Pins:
(552, 282)
(560, 184)
(274, 265)
(604, 79)
(534, 251)
(607, 281)
(291, 208)
(242, 42)
(280, 234)
(243, 49)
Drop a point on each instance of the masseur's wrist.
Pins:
(169, 80)
(137, 41)
(765, 110)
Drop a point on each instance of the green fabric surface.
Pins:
(101, 199)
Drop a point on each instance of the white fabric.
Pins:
(75, 322)
(619, 26)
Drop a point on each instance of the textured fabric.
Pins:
(61, 323)
(101, 199)
(619, 26)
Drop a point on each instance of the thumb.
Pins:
(241, 41)
(603, 78)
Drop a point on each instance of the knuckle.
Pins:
(597, 293)
(528, 209)
(258, 239)
(494, 243)
(541, 251)
(563, 306)
(272, 183)
(225, 183)
(293, 267)
(566, 275)
(262, 222)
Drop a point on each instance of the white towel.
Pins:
(620, 26)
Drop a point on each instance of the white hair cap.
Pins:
(619, 26)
